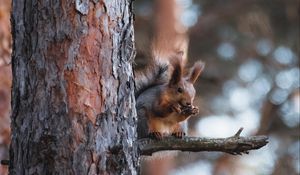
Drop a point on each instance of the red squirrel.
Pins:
(164, 97)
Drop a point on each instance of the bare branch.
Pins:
(234, 145)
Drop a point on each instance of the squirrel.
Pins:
(164, 96)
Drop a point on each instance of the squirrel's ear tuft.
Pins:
(176, 62)
(196, 71)
(176, 74)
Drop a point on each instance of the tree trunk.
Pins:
(73, 107)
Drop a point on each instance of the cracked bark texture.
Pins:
(72, 97)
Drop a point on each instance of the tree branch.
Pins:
(234, 145)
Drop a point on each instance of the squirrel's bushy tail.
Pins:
(159, 70)
(153, 75)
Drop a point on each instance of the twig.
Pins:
(234, 145)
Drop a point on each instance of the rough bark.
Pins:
(72, 97)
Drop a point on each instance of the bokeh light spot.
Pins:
(226, 51)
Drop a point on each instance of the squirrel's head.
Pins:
(181, 87)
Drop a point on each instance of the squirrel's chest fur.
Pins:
(167, 124)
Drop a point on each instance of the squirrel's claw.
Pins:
(156, 135)
(179, 134)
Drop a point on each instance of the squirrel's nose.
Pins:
(188, 103)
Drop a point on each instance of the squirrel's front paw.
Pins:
(156, 135)
(176, 108)
(195, 110)
(190, 110)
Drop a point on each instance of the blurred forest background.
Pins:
(251, 80)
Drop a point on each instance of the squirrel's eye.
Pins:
(180, 90)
